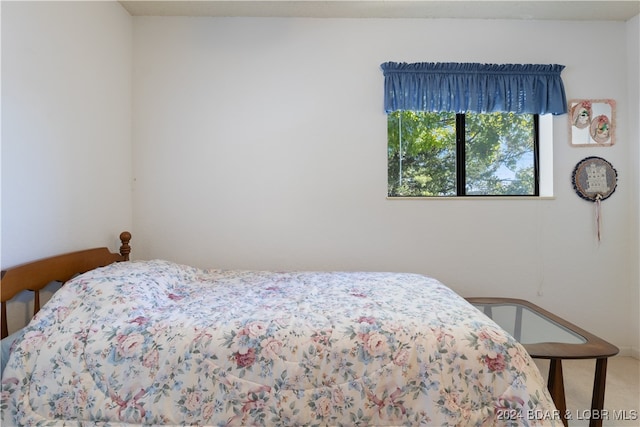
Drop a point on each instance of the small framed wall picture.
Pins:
(592, 122)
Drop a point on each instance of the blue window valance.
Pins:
(471, 87)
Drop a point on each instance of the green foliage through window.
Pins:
(448, 154)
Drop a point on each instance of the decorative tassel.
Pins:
(597, 201)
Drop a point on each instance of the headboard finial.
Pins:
(125, 249)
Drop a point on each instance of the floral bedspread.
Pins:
(157, 343)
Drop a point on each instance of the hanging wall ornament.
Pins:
(594, 179)
(592, 122)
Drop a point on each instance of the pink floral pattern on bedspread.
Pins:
(157, 343)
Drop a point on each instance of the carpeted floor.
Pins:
(622, 393)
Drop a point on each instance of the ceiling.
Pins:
(590, 10)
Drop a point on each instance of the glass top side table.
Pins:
(547, 336)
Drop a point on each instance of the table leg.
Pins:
(555, 384)
(597, 401)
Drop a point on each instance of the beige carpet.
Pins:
(622, 393)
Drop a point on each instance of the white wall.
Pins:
(261, 144)
(66, 127)
(633, 55)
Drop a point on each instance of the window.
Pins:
(465, 129)
(473, 154)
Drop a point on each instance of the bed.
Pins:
(154, 342)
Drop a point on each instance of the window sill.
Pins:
(475, 198)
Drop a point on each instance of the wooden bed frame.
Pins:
(35, 275)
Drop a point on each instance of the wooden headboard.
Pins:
(35, 275)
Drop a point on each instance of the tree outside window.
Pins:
(433, 154)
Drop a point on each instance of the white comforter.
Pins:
(156, 343)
